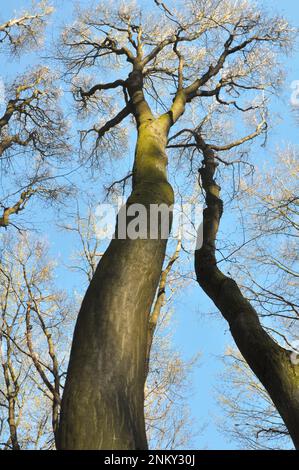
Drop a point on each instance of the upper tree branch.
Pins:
(260, 128)
(24, 198)
(103, 86)
(26, 28)
(186, 94)
(101, 131)
(17, 207)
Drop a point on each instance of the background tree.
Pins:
(250, 418)
(271, 203)
(34, 318)
(26, 30)
(267, 272)
(31, 122)
(271, 362)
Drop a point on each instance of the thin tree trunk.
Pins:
(12, 388)
(103, 400)
(270, 362)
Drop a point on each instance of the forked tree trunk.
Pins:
(103, 400)
(270, 362)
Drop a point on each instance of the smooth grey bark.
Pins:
(104, 395)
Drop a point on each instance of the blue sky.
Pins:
(194, 331)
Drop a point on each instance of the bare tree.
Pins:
(181, 56)
(271, 203)
(267, 274)
(32, 123)
(34, 314)
(26, 30)
(271, 362)
(250, 418)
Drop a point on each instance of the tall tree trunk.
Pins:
(103, 400)
(270, 362)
